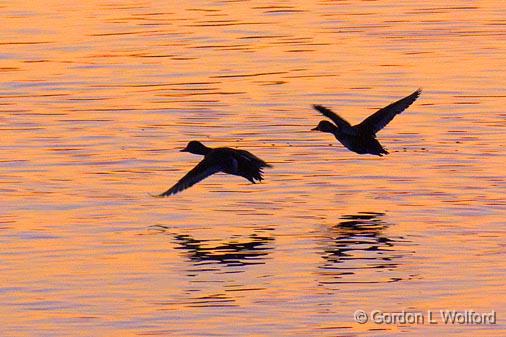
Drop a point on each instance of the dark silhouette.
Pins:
(222, 159)
(361, 138)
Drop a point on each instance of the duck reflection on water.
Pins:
(358, 251)
(235, 252)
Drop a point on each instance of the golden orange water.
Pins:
(97, 97)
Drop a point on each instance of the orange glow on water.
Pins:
(97, 98)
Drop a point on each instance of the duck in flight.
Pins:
(222, 159)
(361, 138)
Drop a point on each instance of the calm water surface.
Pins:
(97, 97)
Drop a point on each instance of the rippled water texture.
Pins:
(97, 97)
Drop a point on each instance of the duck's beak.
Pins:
(315, 129)
(184, 150)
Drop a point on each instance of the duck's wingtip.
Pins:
(319, 107)
(157, 195)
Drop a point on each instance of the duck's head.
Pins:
(325, 126)
(196, 147)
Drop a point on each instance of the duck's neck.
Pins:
(333, 129)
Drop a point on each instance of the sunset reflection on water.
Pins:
(98, 97)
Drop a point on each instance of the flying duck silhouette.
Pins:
(361, 138)
(222, 159)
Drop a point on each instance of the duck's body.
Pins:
(361, 138)
(238, 162)
(361, 144)
(222, 159)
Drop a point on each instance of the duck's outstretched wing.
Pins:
(382, 117)
(339, 121)
(208, 166)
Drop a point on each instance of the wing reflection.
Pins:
(236, 252)
(233, 251)
(357, 251)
